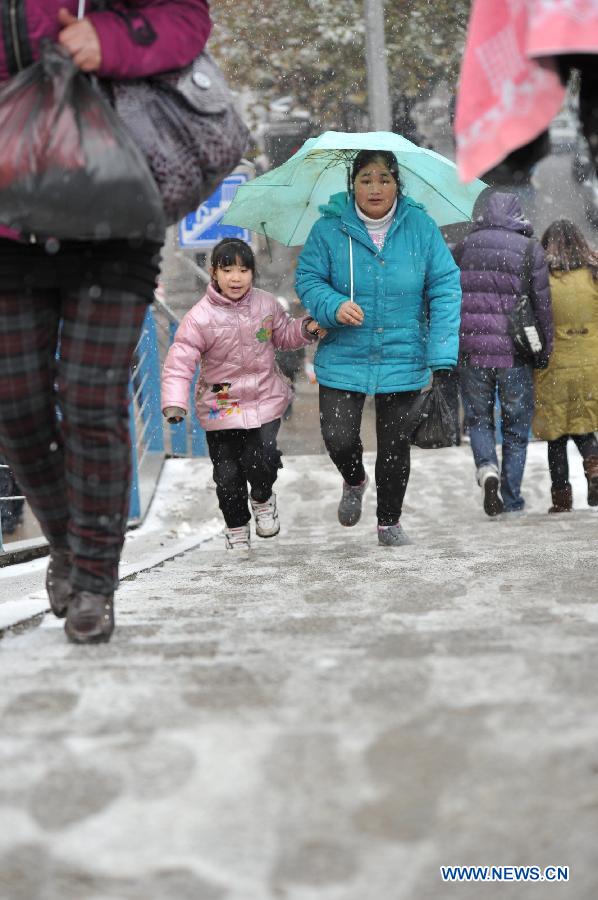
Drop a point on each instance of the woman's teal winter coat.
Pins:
(409, 291)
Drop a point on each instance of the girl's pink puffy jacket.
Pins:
(233, 342)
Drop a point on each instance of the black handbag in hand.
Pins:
(524, 330)
(184, 122)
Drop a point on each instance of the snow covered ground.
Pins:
(326, 720)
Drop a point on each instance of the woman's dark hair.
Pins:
(567, 249)
(229, 250)
(365, 157)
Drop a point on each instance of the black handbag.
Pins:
(184, 122)
(524, 330)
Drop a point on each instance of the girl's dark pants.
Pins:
(340, 421)
(64, 423)
(242, 455)
(557, 455)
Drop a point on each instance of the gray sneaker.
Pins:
(349, 509)
(392, 536)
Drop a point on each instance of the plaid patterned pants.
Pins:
(74, 466)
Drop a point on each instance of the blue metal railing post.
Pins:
(134, 499)
(149, 402)
(178, 432)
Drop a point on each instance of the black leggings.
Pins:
(340, 421)
(242, 455)
(557, 455)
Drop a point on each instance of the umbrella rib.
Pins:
(434, 188)
(296, 228)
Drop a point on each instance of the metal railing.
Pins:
(152, 438)
(13, 498)
(188, 437)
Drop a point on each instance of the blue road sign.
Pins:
(202, 230)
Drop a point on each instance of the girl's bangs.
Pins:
(231, 254)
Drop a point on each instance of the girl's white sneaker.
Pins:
(238, 539)
(266, 517)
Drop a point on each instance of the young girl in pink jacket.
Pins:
(240, 396)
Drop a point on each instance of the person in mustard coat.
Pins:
(567, 391)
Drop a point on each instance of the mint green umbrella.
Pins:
(284, 203)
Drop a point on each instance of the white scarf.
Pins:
(377, 228)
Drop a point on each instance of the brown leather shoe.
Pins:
(90, 618)
(57, 581)
(562, 499)
(590, 467)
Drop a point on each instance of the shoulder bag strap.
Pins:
(139, 27)
(527, 270)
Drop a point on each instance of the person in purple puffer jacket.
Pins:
(89, 298)
(491, 260)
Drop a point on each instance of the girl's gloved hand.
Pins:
(313, 327)
(174, 414)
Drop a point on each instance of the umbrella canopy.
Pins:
(284, 203)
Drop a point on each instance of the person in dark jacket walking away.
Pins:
(90, 299)
(491, 259)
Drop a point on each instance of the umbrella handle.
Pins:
(351, 265)
(269, 248)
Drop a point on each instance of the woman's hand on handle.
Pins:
(80, 39)
(349, 313)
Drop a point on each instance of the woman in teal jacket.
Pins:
(377, 274)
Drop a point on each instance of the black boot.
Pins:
(90, 618)
(562, 499)
(57, 580)
(590, 467)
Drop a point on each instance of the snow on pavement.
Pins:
(326, 720)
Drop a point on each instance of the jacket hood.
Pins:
(502, 210)
(336, 204)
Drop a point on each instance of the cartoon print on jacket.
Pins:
(265, 332)
(223, 405)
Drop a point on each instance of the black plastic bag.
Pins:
(68, 167)
(436, 424)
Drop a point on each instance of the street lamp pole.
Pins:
(378, 92)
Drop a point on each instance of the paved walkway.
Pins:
(328, 720)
